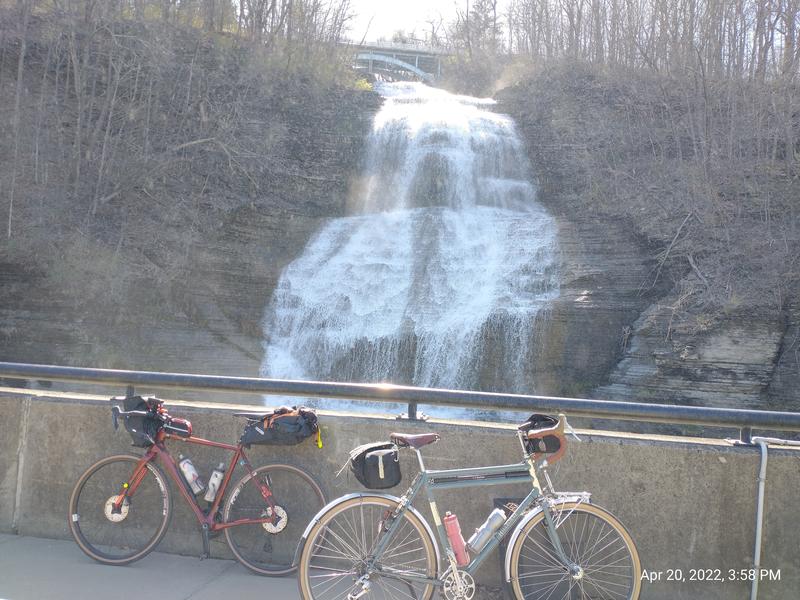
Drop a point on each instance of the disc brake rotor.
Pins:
(281, 522)
(113, 515)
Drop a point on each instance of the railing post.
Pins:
(413, 414)
(746, 435)
(129, 391)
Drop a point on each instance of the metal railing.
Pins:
(743, 420)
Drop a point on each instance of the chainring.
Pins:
(462, 588)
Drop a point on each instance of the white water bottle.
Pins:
(213, 482)
(191, 474)
(485, 532)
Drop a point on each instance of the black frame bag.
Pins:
(376, 465)
(286, 426)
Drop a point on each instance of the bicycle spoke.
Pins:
(118, 538)
(593, 542)
(342, 549)
(269, 548)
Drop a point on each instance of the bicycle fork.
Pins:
(574, 569)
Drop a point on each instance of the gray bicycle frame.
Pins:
(449, 479)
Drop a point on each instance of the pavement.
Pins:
(42, 569)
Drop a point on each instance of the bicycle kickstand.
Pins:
(206, 542)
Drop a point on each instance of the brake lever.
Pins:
(570, 430)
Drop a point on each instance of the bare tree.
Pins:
(24, 7)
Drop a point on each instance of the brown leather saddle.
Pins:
(407, 440)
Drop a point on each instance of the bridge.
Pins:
(689, 503)
(400, 60)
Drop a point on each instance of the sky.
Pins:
(381, 18)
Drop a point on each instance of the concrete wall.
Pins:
(688, 504)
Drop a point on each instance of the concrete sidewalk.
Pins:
(42, 569)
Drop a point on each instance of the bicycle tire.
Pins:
(253, 545)
(138, 531)
(362, 515)
(590, 536)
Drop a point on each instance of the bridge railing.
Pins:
(418, 47)
(743, 420)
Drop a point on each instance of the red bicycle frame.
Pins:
(205, 518)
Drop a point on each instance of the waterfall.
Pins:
(438, 274)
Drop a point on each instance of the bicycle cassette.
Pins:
(458, 585)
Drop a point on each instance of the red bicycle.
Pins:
(121, 506)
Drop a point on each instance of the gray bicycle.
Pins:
(374, 545)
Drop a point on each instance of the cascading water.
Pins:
(437, 277)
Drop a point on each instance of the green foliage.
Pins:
(362, 85)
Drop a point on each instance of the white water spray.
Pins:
(438, 276)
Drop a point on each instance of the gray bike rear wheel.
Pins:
(333, 555)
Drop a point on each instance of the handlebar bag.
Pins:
(543, 439)
(286, 426)
(142, 429)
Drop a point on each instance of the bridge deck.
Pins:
(41, 569)
(399, 48)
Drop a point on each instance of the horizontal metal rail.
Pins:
(604, 409)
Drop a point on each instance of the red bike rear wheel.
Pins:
(268, 549)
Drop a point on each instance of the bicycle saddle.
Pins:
(414, 441)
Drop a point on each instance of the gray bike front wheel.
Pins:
(593, 539)
(334, 554)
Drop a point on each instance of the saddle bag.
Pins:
(376, 465)
(286, 426)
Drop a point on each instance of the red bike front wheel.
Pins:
(119, 535)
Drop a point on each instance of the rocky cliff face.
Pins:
(639, 319)
(729, 365)
(601, 296)
(196, 300)
(154, 287)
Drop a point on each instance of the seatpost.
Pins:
(419, 458)
(522, 442)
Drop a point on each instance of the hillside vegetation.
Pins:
(681, 120)
(680, 116)
(147, 157)
(161, 161)
(699, 169)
